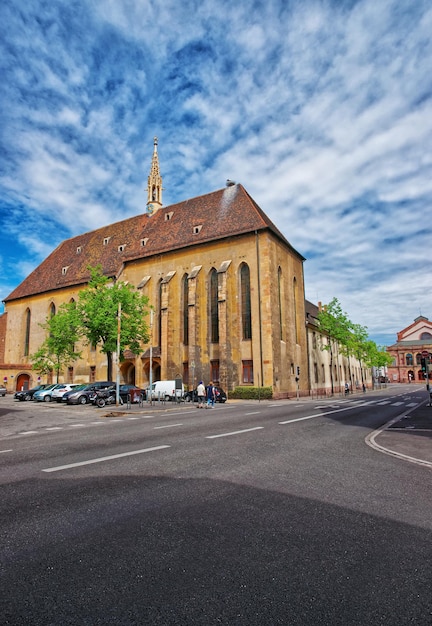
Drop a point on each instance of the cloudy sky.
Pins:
(321, 109)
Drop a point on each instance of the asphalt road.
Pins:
(246, 514)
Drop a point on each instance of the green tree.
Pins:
(98, 308)
(334, 323)
(58, 349)
(357, 345)
(377, 357)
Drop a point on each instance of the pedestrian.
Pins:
(364, 388)
(201, 393)
(346, 388)
(210, 396)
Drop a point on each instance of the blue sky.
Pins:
(322, 110)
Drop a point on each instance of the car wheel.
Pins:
(187, 398)
(27, 397)
(83, 400)
(167, 398)
(47, 398)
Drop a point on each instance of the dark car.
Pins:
(192, 396)
(83, 393)
(27, 394)
(133, 391)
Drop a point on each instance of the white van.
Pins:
(165, 390)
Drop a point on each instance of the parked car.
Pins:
(45, 395)
(2, 391)
(58, 392)
(27, 394)
(83, 393)
(192, 396)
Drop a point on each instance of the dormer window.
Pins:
(197, 229)
(106, 241)
(64, 270)
(79, 250)
(144, 241)
(121, 248)
(168, 216)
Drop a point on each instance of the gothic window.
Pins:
(185, 309)
(52, 310)
(159, 314)
(246, 315)
(280, 302)
(27, 332)
(214, 311)
(316, 372)
(295, 298)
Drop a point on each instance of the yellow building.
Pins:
(225, 284)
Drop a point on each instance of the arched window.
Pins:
(159, 313)
(27, 332)
(280, 299)
(185, 309)
(52, 310)
(426, 337)
(295, 299)
(246, 315)
(418, 358)
(409, 359)
(214, 310)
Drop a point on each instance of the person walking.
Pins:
(201, 393)
(210, 396)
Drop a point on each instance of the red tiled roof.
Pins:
(224, 213)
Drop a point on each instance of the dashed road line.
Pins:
(102, 459)
(235, 432)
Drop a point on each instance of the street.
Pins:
(248, 514)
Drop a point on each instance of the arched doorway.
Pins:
(22, 382)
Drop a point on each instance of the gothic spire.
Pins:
(154, 184)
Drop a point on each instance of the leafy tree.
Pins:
(58, 349)
(98, 308)
(357, 344)
(334, 323)
(377, 357)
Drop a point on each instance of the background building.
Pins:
(413, 344)
(225, 284)
(344, 369)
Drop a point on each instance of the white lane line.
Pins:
(55, 428)
(309, 417)
(397, 403)
(103, 458)
(383, 402)
(412, 404)
(235, 432)
(253, 413)
(77, 425)
(2, 451)
(29, 432)
(166, 426)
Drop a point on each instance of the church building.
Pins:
(225, 285)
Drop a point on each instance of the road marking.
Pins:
(77, 425)
(29, 432)
(397, 403)
(103, 458)
(253, 413)
(167, 426)
(235, 432)
(2, 451)
(55, 428)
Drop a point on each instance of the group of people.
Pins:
(206, 395)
